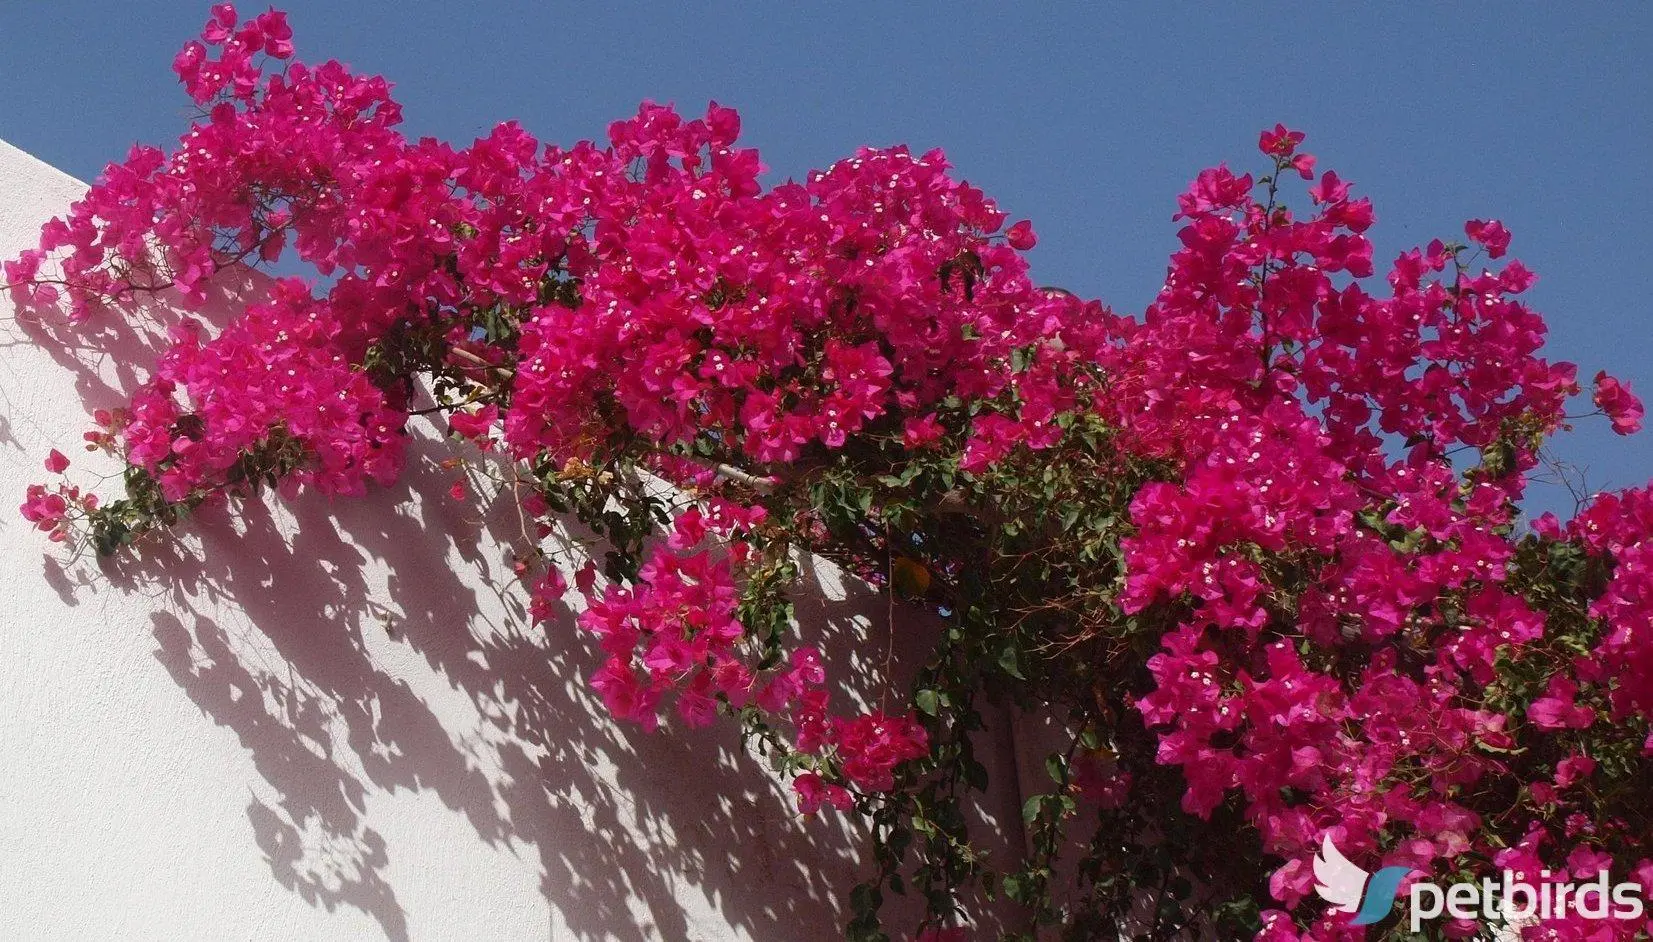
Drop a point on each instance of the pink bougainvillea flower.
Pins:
(1557, 709)
(1491, 234)
(813, 791)
(476, 426)
(1279, 142)
(1621, 405)
(921, 432)
(1021, 237)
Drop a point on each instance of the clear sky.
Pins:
(1089, 119)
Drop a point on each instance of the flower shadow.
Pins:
(373, 647)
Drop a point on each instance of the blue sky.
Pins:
(1087, 119)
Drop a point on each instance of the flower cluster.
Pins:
(1347, 595)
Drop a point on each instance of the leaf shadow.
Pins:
(358, 647)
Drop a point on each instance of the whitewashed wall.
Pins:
(329, 721)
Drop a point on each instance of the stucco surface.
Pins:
(331, 721)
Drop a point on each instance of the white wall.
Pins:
(327, 721)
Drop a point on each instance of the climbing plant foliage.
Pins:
(1256, 554)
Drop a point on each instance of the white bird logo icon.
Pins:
(1338, 881)
(1352, 890)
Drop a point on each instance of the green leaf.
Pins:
(927, 700)
(1056, 766)
(1010, 660)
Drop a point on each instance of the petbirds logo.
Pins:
(1353, 890)
(1509, 900)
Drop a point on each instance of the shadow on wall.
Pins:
(391, 653)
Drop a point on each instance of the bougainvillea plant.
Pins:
(1258, 553)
